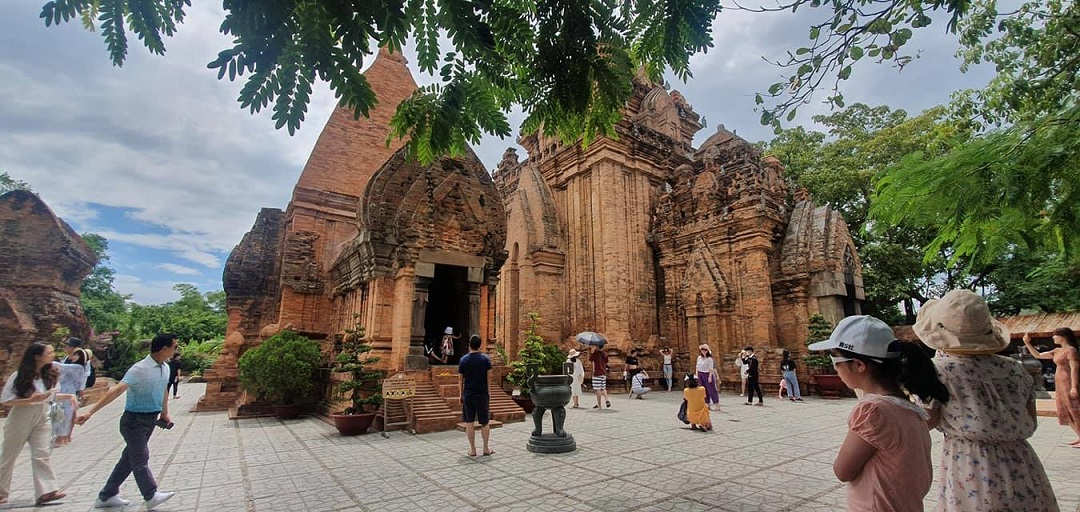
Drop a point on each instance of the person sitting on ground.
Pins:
(697, 411)
(638, 387)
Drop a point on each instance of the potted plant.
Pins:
(282, 369)
(820, 365)
(534, 358)
(363, 389)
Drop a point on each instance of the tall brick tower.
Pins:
(279, 274)
(322, 214)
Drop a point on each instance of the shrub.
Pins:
(198, 356)
(535, 358)
(282, 368)
(365, 387)
(820, 329)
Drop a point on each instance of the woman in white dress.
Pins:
(578, 375)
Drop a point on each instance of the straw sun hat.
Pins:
(960, 323)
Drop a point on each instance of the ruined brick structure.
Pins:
(42, 265)
(367, 239)
(654, 242)
(644, 238)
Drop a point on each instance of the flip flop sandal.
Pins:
(49, 497)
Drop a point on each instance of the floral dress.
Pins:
(72, 380)
(1068, 409)
(987, 463)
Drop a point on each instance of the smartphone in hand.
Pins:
(161, 423)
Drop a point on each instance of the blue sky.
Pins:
(158, 157)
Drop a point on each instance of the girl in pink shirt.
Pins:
(885, 458)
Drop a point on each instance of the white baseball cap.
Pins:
(860, 334)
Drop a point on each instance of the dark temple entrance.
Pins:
(448, 306)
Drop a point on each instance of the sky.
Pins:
(157, 156)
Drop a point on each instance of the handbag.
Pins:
(56, 412)
(682, 413)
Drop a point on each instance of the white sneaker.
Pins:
(112, 502)
(158, 499)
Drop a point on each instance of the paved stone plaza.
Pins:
(635, 457)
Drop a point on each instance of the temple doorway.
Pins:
(448, 306)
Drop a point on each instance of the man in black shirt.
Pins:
(473, 368)
(752, 374)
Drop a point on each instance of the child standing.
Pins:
(986, 461)
(885, 458)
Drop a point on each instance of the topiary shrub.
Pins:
(820, 329)
(365, 386)
(282, 368)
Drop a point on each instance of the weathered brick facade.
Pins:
(42, 265)
(643, 238)
(653, 242)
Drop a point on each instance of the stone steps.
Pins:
(437, 404)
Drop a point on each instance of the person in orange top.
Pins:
(885, 458)
(697, 412)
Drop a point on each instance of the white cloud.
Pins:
(145, 292)
(166, 140)
(179, 269)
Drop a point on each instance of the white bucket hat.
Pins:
(960, 323)
(860, 334)
(448, 330)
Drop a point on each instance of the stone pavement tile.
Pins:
(817, 506)
(503, 491)
(676, 505)
(618, 466)
(545, 503)
(719, 492)
(433, 501)
(773, 458)
(777, 497)
(808, 468)
(744, 505)
(374, 490)
(285, 503)
(671, 480)
(656, 456)
(561, 479)
(465, 476)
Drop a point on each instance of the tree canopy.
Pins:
(1035, 48)
(7, 184)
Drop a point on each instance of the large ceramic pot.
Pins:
(353, 424)
(550, 391)
(524, 402)
(830, 386)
